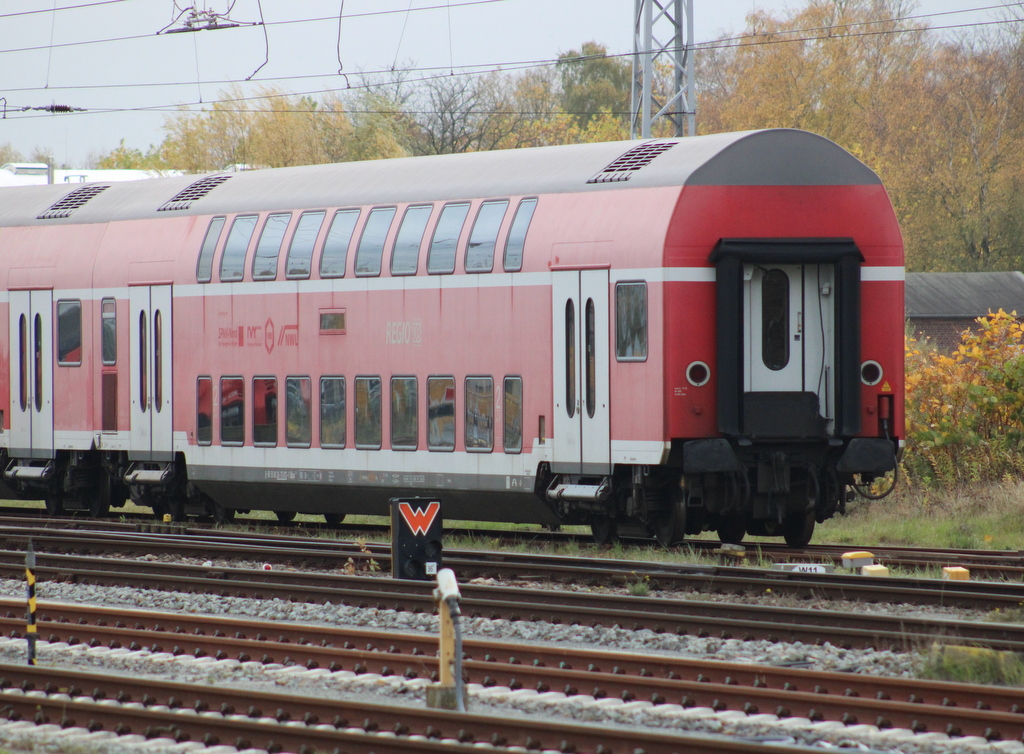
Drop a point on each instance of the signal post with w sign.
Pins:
(416, 529)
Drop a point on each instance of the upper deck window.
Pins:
(516, 241)
(232, 259)
(631, 321)
(371, 243)
(298, 263)
(445, 242)
(405, 256)
(480, 251)
(334, 257)
(204, 267)
(264, 261)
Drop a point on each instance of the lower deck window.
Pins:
(232, 411)
(441, 413)
(479, 413)
(298, 412)
(405, 429)
(204, 410)
(513, 414)
(264, 411)
(332, 412)
(368, 413)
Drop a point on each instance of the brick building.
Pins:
(941, 305)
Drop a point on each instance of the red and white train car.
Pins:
(679, 335)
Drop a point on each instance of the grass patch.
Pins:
(973, 665)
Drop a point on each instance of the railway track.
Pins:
(954, 709)
(984, 564)
(697, 617)
(660, 578)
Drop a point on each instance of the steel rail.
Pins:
(956, 709)
(470, 564)
(301, 723)
(682, 616)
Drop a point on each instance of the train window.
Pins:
(232, 410)
(513, 414)
(479, 414)
(332, 412)
(298, 263)
(264, 411)
(37, 339)
(441, 413)
(108, 329)
(516, 241)
(232, 259)
(334, 256)
(445, 241)
(405, 430)
(371, 243)
(775, 319)
(204, 410)
(158, 360)
(368, 413)
(590, 357)
(23, 366)
(631, 321)
(298, 412)
(268, 248)
(204, 267)
(69, 333)
(332, 321)
(480, 251)
(570, 358)
(143, 362)
(405, 256)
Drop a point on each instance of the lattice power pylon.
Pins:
(663, 33)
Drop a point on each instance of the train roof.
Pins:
(775, 157)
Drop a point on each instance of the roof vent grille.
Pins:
(183, 199)
(623, 168)
(70, 202)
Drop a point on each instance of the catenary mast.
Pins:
(663, 31)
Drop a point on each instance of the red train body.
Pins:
(672, 335)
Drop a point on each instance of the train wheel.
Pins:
(603, 529)
(223, 515)
(732, 530)
(671, 527)
(54, 504)
(285, 516)
(334, 518)
(797, 529)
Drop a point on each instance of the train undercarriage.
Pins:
(773, 490)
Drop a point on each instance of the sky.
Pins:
(107, 57)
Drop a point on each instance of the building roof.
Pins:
(774, 157)
(963, 294)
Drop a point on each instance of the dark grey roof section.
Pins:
(783, 157)
(184, 199)
(623, 168)
(963, 294)
(77, 198)
(758, 158)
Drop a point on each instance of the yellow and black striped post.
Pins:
(30, 578)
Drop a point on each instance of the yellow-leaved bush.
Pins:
(965, 410)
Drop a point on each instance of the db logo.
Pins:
(420, 519)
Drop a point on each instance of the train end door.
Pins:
(31, 374)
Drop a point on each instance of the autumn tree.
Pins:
(593, 82)
(9, 154)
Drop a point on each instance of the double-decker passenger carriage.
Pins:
(668, 336)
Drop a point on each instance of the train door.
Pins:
(789, 353)
(31, 370)
(579, 309)
(150, 364)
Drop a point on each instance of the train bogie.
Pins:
(662, 337)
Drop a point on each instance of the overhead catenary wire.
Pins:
(767, 38)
